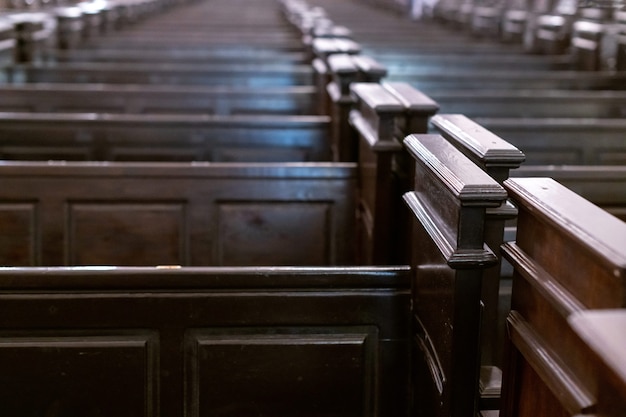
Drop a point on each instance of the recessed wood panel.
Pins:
(274, 233)
(121, 234)
(18, 239)
(281, 372)
(79, 375)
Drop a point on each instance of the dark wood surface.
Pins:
(568, 257)
(249, 75)
(450, 257)
(163, 137)
(204, 341)
(169, 99)
(177, 214)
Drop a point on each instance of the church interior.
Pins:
(312, 208)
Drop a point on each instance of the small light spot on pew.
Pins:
(168, 267)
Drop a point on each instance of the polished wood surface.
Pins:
(133, 214)
(204, 341)
(568, 257)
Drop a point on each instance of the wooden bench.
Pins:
(589, 163)
(411, 63)
(533, 103)
(568, 257)
(177, 214)
(150, 73)
(446, 296)
(600, 332)
(512, 79)
(133, 137)
(170, 99)
(199, 55)
(603, 185)
(217, 341)
(229, 340)
(572, 141)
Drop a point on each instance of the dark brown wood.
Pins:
(150, 137)
(603, 333)
(603, 185)
(533, 103)
(379, 199)
(568, 257)
(563, 141)
(511, 79)
(383, 114)
(497, 158)
(205, 341)
(449, 253)
(177, 214)
(149, 73)
(159, 99)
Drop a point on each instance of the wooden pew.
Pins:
(170, 99)
(446, 296)
(177, 214)
(199, 55)
(589, 163)
(512, 79)
(499, 159)
(210, 341)
(533, 103)
(381, 118)
(568, 257)
(571, 141)
(330, 341)
(163, 73)
(186, 137)
(602, 333)
(603, 185)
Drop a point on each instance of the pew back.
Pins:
(149, 137)
(176, 214)
(568, 257)
(204, 341)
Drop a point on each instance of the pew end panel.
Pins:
(497, 158)
(568, 257)
(449, 252)
(373, 120)
(205, 341)
(382, 114)
(199, 214)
